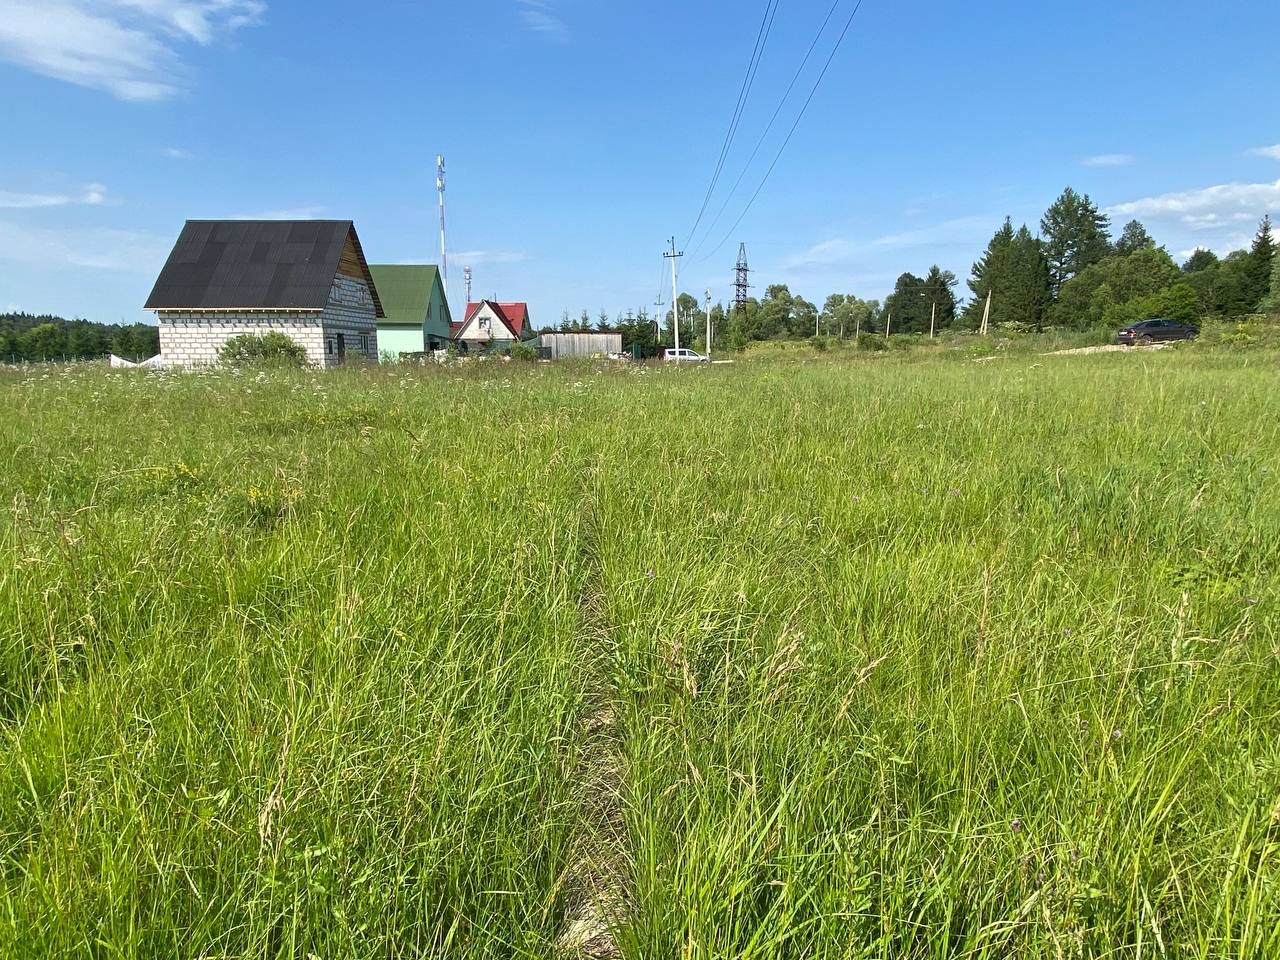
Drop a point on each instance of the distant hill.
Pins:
(25, 336)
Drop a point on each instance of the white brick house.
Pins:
(307, 279)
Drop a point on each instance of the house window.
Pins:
(364, 343)
(329, 348)
(484, 324)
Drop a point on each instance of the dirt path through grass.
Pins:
(596, 882)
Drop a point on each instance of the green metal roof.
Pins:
(405, 290)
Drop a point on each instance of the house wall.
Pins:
(436, 328)
(399, 339)
(497, 336)
(350, 312)
(194, 337)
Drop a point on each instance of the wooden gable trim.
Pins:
(353, 264)
(349, 262)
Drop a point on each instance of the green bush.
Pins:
(1179, 302)
(524, 351)
(1257, 330)
(870, 341)
(270, 349)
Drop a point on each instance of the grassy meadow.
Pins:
(830, 655)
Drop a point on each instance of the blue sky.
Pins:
(580, 135)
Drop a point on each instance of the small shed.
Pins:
(562, 346)
(417, 313)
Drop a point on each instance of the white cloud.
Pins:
(97, 248)
(537, 16)
(126, 47)
(960, 229)
(847, 252)
(1270, 152)
(1213, 221)
(1223, 200)
(95, 194)
(1109, 160)
(824, 254)
(1220, 218)
(176, 153)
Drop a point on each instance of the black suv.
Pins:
(1151, 331)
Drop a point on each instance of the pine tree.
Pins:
(1200, 260)
(1031, 280)
(990, 266)
(1075, 236)
(1257, 278)
(1272, 303)
(938, 286)
(909, 305)
(1014, 270)
(1133, 238)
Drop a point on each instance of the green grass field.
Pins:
(894, 656)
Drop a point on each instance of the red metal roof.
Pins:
(517, 315)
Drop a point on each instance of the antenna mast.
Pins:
(444, 260)
(740, 283)
(466, 278)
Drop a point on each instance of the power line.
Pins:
(773, 119)
(753, 66)
(817, 83)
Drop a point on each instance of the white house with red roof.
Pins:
(490, 325)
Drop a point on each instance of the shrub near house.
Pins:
(271, 349)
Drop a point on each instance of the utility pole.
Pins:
(673, 256)
(887, 321)
(986, 315)
(933, 317)
(708, 324)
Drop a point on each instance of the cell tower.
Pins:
(466, 278)
(444, 260)
(740, 283)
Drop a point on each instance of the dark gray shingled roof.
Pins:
(255, 265)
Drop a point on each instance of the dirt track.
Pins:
(1106, 348)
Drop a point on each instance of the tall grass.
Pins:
(910, 657)
(288, 670)
(937, 663)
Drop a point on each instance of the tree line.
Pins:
(30, 337)
(1073, 275)
(1069, 274)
